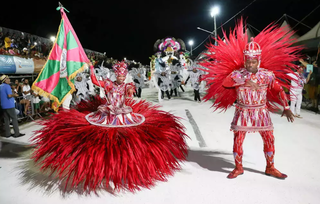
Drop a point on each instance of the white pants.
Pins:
(296, 100)
(153, 83)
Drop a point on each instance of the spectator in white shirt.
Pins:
(45, 104)
(36, 101)
(296, 91)
(26, 93)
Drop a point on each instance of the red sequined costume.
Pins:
(115, 140)
(227, 83)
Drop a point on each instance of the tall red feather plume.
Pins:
(277, 56)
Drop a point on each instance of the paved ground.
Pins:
(203, 178)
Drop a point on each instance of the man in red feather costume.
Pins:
(255, 89)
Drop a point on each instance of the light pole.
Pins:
(191, 43)
(214, 12)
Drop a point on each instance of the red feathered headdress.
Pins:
(277, 55)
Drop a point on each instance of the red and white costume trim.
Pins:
(251, 112)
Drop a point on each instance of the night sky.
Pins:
(130, 28)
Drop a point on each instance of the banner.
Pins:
(23, 66)
(38, 64)
(7, 65)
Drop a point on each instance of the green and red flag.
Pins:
(66, 59)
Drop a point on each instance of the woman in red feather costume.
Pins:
(235, 75)
(129, 143)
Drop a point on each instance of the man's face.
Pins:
(26, 81)
(252, 65)
(7, 80)
(16, 81)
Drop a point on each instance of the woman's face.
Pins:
(120, 79)
(16, 81)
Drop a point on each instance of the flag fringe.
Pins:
(56, 104)
(74, 74)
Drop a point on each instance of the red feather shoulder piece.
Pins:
(277, 56)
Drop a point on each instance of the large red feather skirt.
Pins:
(278, 55)
(95, 157)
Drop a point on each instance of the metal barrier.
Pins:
(30, 112)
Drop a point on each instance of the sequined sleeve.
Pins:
(94, 78)
(277, 89)
(130, 86)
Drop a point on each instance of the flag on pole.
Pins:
(66, 59)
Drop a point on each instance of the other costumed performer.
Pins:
(162, 74)
(195, 78)
(176, 77)
(81, 86)
(114, 140)
(235, 74)
(138, 78)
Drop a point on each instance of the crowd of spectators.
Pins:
(17, 43)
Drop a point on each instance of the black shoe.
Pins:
(20, 135)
